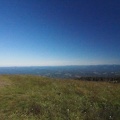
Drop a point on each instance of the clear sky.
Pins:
(59, 32)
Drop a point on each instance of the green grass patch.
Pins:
(25, 97)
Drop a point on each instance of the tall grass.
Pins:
(25, 97)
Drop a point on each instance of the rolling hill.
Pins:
(30, 97)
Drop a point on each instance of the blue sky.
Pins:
(59, 32)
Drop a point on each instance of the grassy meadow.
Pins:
(26, 97)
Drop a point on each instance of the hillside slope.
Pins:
(25, 97)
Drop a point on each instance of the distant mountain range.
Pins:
(66, 71)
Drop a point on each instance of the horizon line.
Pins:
(56, 65)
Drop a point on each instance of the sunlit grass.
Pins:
(24, 97)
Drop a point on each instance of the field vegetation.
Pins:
(26, 97)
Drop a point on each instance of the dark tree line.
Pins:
(107, 79)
